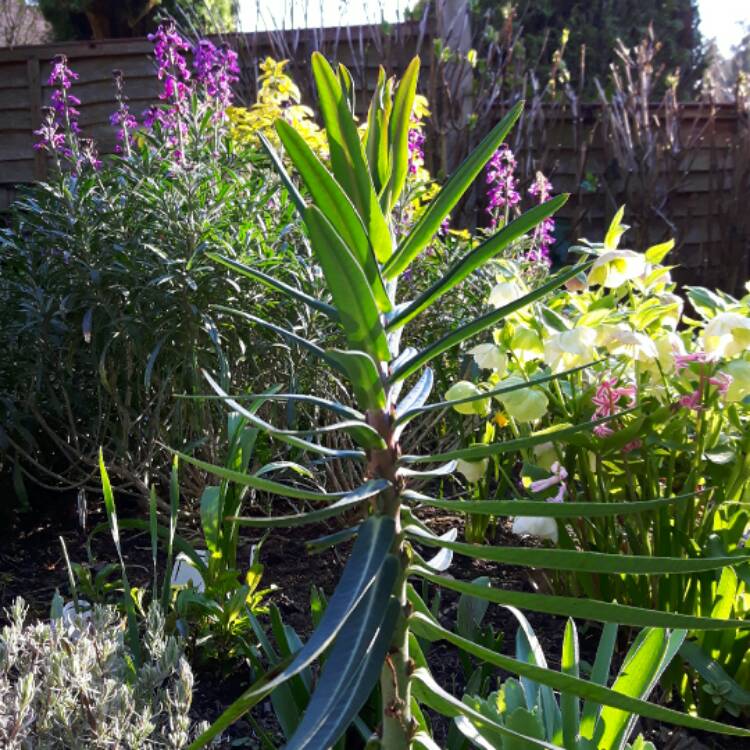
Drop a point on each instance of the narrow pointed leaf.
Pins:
(429, 223)
(427, 628)
(644, 665)
(559, 433)
(568, 606)
(600, 676)
(285, 436)
(364, 376)
(414, 411)
(570, 705)
(279, 286)
(376, 143)
(417, 396)
(336, 206)
(349, 501)
(445, 470)
(350, 289)
(483, 322)
(537, 508)
(278, 165)
(477, 258)
(354, 661)
(290, 336)
(347, 156)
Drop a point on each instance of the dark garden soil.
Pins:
(32, 565)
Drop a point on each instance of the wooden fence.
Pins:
(697, 195)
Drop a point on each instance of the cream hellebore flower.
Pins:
(473, 471)
(504, 293)
(544, 528)
(727, 335)
(465, 389)
(490, 357)
(739, 371)
(524, 404)
(526, 345)
(545, 455)
(622, 340)
(614, 267)
(666, 347)
(568, 349)
(675, 305)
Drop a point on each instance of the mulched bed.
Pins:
(32, 565)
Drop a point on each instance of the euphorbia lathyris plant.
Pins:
(368, 631)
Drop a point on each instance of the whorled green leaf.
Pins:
(349, 287)
(581, 562)
(476, 259)
(376, 137)
(429, 222)
(363, 568)
(426, 627)
(336, 206)
(537, 508)
(347, 502)
(353, 666)
(398, 132)
(559, 433)
(272, 283)
(347, 156)
(404, 415)
(290, 336)
(483, 322)
(285, 436)
(568, 606)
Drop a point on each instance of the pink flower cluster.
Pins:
(607, 401)
(721, 380)
(559, 477)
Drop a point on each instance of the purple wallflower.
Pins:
(216, 69)
(122, 118)
(416, 150)
(502, 194)
(543, 237)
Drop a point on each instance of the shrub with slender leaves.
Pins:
(370, 626)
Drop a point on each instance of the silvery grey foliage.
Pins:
(70, 683)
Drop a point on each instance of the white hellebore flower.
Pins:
(545, 455)
(544, 528)
(473, 471)
(727, 335)
(622, 340)
(614, 267)
(526, 345)
(675, 305)
(465, 389)
(490, 357)
(739, 371)
(568, 349)
(504, 293)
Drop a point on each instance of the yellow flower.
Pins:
(500, 419)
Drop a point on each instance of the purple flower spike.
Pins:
(502, 193)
